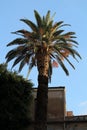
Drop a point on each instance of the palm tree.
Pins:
(47, 45)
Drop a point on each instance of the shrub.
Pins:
(15, 98)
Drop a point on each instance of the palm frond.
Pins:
(17, 60)
(58, 24)
(30, 24)
(73, 52)
(62, 65)
(58, 32)
(72, 41)
(69, 63)
(38, 18)
(11, 55)
(22, 64)
(31, 65)
(48, 17)
(69, 33)
(66, 59)
(50, 71)
(76, 53)
(18, 41)
(23, 33)
(64, 25)
(62, 57)
(51, 19)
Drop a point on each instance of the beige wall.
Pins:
(56, 103)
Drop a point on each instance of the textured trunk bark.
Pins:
(41, 104)
(42, 92)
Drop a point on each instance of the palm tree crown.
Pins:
(45, 37)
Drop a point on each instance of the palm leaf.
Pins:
(69, 63)
(64, 25)
(73, 52)
(38, 18)
(67, 60)
(60, 54)
(62, 65)
(69, 34)
(51, 19)
(31, 65)
(57, 25)
(73, 41)
(22, 65)
(30, 24)
(62, 40)
(48, 17)
(23, 33)
(18, 41)
(58, 32)
(17, 60)
(76, 53)
(11, 55)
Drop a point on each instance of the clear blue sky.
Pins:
(71, 12)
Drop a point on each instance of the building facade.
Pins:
(58, 117)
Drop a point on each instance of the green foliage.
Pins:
(15, 97)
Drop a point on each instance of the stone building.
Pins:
(58, 117)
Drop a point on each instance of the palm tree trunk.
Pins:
(41, 104)
(42, 92)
